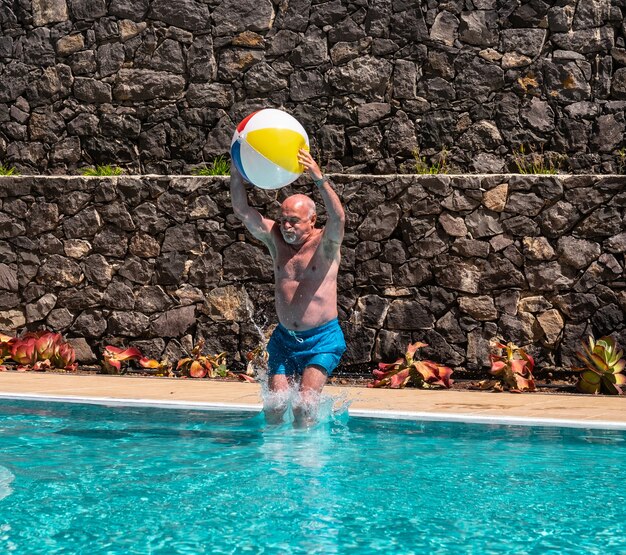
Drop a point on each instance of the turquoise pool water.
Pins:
(87, 479)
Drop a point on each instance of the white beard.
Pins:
(289, 237)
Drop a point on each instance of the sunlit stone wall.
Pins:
(160, 262)
(157, 86)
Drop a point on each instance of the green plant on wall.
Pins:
(219, 166)
(101, 171)
(8, 170)
(422, 167)
(537, 162)
(621, 160)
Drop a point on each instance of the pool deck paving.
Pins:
(450, 405)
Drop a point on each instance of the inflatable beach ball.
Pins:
(265, 148)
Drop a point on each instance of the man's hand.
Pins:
(305, 158)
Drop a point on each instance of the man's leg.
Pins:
(277, 399)
(305, 410)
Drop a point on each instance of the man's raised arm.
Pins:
(256, 224)
(336, 219)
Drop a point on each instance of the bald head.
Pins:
(300, 203)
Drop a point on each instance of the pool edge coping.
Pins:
(361, 413)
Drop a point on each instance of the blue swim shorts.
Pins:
(290, 352)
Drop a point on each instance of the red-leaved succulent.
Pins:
(24, 352)
(257, 361)
(407, 370)
(114, 357)
(6, 343)
(197, 365)
(513, 369)
(207, 366)
(39, 350)
(162, 368)
(65, 357)
(46, 343)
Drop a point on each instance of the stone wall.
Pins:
(157, 86)
(161, 262)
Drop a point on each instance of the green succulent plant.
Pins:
(603, 368)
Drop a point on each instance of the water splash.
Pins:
(311, 410)
(290, 406)
(340, 407)
(259, 329)
(257, 365)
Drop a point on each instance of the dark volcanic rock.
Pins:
(174, 323)
(130, 324)
(186, 14)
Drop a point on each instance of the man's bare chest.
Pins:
(300, 265)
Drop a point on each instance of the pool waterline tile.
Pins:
(446, 403)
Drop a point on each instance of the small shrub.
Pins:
(8, 170)
(603, 368)
(536, 162)
(423, 168)
(101, 171)
(219, 166)
(408, 370)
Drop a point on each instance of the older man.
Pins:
(307, 343)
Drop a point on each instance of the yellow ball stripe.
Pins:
(278, 145)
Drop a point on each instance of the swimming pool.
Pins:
(88, 479)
